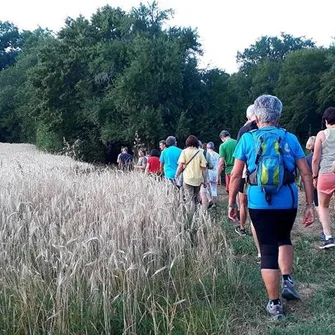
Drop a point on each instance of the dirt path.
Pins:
(313, 230)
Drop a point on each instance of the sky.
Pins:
(224, 26)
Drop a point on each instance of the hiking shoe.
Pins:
(289, 291)
(276, 311)
(327, 244)
(210, 204)
(322, 236)
(240, 231)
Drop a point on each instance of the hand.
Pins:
(308, 215)
(315, 183)
(232, 214)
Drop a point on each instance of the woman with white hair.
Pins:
(271, 155)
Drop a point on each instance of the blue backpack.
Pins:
(271, 172)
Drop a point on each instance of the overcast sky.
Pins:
(224, 26)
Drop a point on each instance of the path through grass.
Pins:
(314, 271)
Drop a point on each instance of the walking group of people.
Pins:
(261, 168)
(268, 157)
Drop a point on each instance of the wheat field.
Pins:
(88, 250)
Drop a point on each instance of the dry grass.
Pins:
(87, 251)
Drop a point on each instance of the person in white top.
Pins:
(323, 176)
(212, 173)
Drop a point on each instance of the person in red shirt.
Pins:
(153, 163)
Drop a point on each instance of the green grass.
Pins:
(314, 271)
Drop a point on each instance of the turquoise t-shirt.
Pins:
(287, 196)
(169, 157)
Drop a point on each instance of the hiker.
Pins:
(270, 153)
(118, 161)
(226, 160)
(162, 145)
(192, 164)
(169, 158)
(323, 176)
(142, 161)
(205, 192)
(153, 163)
(242, 196)
(125, 160)
(309, 158)
(212, 173)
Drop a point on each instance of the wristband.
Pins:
(315, 177)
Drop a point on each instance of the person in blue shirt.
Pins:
(169, 158)
(273, 217)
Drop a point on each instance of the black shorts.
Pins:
(273, 225)
(273, 228)
(243, 185)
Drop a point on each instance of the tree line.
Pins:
(119, 76)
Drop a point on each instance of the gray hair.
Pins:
(170, 141)
(250, 111)
(268, 109)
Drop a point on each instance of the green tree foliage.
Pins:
(298, 87)
(271, 48)
(10, 43)
(326, 95)
(17, 94)
(102, 81)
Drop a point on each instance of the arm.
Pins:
(161, 159)
(142, 167)
(146, 171)
(317, 155)
(180, 169)
(307, 180)
(235, 180)
(220, 168)
(181, 165)
(203, 166)
(204, 176)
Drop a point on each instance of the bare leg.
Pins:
(272, 277)
(324, 216)
(204, 199)
(243, 209)
(271, 280)
(285, 259)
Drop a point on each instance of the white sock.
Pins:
(328, 237)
